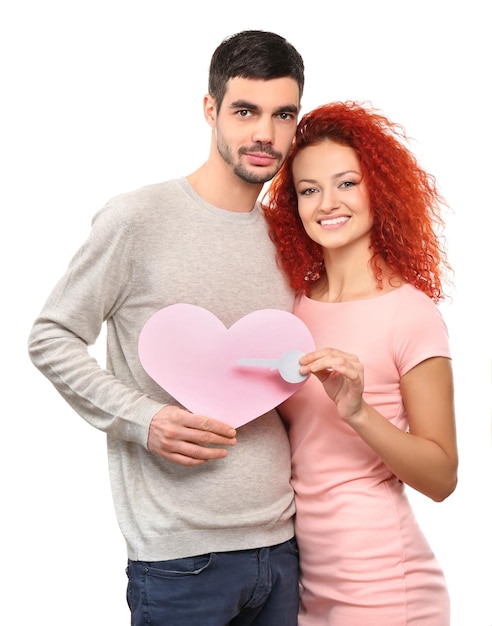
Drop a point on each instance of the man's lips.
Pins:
(260, 155)
(260, 158)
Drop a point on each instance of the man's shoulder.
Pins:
(132, 205)
(148, 194)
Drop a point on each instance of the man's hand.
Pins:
(184, 438)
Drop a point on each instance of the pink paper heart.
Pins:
(191, 354)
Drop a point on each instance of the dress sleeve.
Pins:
(420, 332)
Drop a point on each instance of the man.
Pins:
(206, 512)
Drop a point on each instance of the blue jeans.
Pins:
(248, 587)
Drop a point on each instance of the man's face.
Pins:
(256, 125)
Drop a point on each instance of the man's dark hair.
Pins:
(253, 54)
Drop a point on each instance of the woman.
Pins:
(356, 221)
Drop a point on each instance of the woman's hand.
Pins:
(342, 376)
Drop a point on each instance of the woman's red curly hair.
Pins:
(404, 200)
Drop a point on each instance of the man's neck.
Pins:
(224, 189)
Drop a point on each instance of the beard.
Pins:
(242, 171)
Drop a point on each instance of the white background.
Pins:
(103, 97)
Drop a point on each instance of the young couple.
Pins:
(207, 511)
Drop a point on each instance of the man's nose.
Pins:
(264, 131)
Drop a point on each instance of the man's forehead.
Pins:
(276, 92)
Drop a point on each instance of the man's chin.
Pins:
(255, 178)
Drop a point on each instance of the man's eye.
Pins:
(286, 116)
(243, 113)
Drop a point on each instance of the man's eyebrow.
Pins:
(288, 108)
(244, 104)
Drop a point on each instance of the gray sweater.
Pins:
(147, 249)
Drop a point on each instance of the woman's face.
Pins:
(333, 200)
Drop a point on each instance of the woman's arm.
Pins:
(426, 457)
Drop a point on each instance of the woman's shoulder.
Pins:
(414, 299)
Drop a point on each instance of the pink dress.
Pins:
(364, 559)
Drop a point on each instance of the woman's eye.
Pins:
(307, 192)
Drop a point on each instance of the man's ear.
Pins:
(210, 110)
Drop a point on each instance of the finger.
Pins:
(186, 453)
(209, 425)
(201, 435)
(321, 353)
(323, 364)
(205, 437)
(310, 357)
(331, 359)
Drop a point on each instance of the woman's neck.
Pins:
(345, 281)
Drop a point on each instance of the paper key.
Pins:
(287, 365)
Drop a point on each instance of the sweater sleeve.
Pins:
(97, 282)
